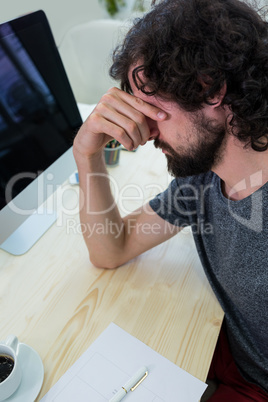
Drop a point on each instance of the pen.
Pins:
(130, 385)
(112, 144)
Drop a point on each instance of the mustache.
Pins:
(163, 145)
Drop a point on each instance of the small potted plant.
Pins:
(114, 6)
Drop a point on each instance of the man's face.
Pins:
(193, 142)
(202, 152)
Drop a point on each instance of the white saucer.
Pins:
(32, 375)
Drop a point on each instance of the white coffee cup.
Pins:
(9, 347)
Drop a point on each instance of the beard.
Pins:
(200, 157)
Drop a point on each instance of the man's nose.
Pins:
(153, 127)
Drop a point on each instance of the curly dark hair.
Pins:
(190, 48)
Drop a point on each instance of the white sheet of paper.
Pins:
(111, 360)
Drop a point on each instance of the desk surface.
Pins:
(54, 300)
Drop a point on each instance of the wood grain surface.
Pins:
(57, 302)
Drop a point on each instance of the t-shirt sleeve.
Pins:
(173, 204)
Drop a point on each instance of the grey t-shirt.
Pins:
(231, 239)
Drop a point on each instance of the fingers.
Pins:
(129, 129)
(129, 137)
(127, 116)
(147, 109)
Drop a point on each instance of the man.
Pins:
(194, 78)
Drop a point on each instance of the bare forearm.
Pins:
(103, 228)
(125, 118)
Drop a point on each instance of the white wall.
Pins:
(62, 14)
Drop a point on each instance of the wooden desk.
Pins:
(54, 300)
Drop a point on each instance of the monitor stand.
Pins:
(27, 234)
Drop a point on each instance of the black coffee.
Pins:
(6, 366)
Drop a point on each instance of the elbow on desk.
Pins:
(101, 263)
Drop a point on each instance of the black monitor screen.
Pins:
(38, 113)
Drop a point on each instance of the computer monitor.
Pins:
(38, 121)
